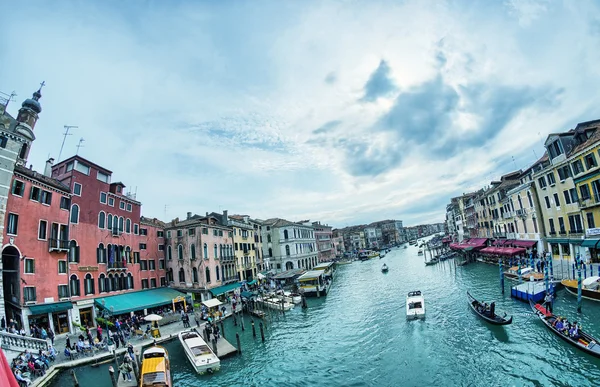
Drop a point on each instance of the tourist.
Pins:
(19, 376)
(130, 350)
(51, 335)
(2, 323)
(99, 333)
(68, 344)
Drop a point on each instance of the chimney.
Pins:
(189, 215)
(224, 218)
(48, 169)
(206, 213)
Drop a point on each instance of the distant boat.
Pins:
(384, 268)
(590, 287)
(415, 305)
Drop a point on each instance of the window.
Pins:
(101, 253)
(585, 191)
(161, 247)
(13, 224)
(556, 201)
(3, 141)
(29, 266)
(269, 238)
(160, 234)
(73, 252)
(179, 233)
(590, 161)
(18, 188)
(145, 283)
(122, 205)
(215, 250)
(42, 230)
(35, 194)
(46, 197)
(573, 194)
(83, 168)
(77, 189)
(561, 225)
(193, 251)
(590, 220)
(577, 167)
(181, 275)
(88, 284)
(103, 197)
(128, 226)
(65, 203)
(551, 222)
(70, 166)
(101, 220)
(169, 253)
(152, 282)
(63, 291)
(142, 246)
(161, 264)
(230, 234)
(62, 267)
(103, 177)
(575, 225)
(129, 207)
(136, 257)
(195, 275)
(564, 172)
(109, 222)
(179, 252)
(550, 178)
(121, 220)
(29, 294)
(207, 275)
(191, 231)
(547, 199)
(143, 231)
(205, 251)
(136, 229)
(205, 230)
(567, 196)
(74, 286)
(287, 249)
(217, 272)
(111, 202)
(74, 213)
(168, 234)
(163, 281)
(152, 264)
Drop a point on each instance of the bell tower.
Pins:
(26, 120)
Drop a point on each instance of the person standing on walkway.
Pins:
(51, 335)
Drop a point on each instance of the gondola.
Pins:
(496, 320)
(585, 342)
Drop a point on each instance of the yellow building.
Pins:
(244, 246)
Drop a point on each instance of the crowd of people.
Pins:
(28, 364)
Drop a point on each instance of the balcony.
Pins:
(592, 201)
(522, 213)
(58, 245)
(576, 234)
(499, 235)
(116, 231)
(119, 265)
(227, 258)
(508, 215)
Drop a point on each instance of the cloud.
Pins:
(380, 84)
(327, 127)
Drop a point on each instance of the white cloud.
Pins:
(215, 106)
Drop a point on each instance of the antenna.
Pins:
(514, 162)
(66, 133)
(81, 140)
(165, 212)
(535, 154)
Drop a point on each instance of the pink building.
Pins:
(323, 236)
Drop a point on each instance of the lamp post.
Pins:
(105, 315)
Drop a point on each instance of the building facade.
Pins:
(244, 246)
(323, 236)
(289, 245)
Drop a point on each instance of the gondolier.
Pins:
(548, 301)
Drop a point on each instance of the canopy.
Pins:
(131, 302)
(50, 308)
(590, 242)
(590, 280)
(248, 295)
(260, 276)
(224, 289)
(153, 317)
(524, 243)
(506, 251)
(211, 303)
(7, 378)
(251, 282)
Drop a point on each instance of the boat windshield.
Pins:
(415, 305)
(155, 379)
(200, 350)
(153, 354)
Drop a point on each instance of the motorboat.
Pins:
(527, 274)
(385, 268)
(276, 303)
(292, 298)
(420, 252)
(432, 261)
(156, 368)
(590, 287)
(415, 305)
(200, 355)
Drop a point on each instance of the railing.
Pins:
(591, 201)
(117, 265)
(116, 231)
(58, 245)
(508, 215)
(14, 342)
(227, 258)
(499, 235)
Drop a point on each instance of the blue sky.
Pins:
(343, 111)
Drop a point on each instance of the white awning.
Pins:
(211, 303)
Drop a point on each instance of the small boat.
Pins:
(488, 314)
(156, 369)
(590, 287)
(257, 313)
(405, 246)
(415, 305)
(381, 256)
(420, 252)
(432, 261)
(384, 268)
(584, 341)
(201, 356)
(526, 274)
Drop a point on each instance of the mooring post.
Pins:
(501, 274)
(222, 329)
(136, 367)
(242, 322)
(75, 382)
(262, 332)
(234, 320)
(578, 284)
(304, 304)
(584, 270)
(113, 377)
(253, 329)
(237, 338)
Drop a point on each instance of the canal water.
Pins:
(358, 336)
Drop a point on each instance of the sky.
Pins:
(347, 112)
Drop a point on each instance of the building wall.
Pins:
(323, 237)
(244, 248)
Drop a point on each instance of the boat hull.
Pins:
(497, 320)
(209, 366)
(585, 293)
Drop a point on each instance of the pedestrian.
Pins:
(2, 323)
(130, 349)
(68, 344)
(51, 335)
(197, 320)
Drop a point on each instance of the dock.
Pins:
(123, 383)
(526, 291)
(224, 348)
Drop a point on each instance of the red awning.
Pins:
(454, 246)
(506, 251)
(512, 251)
(7, 378)
(523, 243)
(489, 250)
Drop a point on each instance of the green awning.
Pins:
(590, 242)
(131, 302)
(575, 241)
(224, 289)
(248, 295)
(557, 240)
(252, 282)
(50, 308)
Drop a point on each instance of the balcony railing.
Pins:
(20, 343)
(116, 265)
(58, 245)
(508, 215)
(592, 201)
(499, 235)
(227, 258)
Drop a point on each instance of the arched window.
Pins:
(109, 283)
(169, 253)
(205, 251)
(129, 281)
(128, 254)
(207, 275)
(285, 234)
(269, 238)
(193, 252)
(73, 252)
(170, 275)
(195, 275)
(115, 282)
(109, 222)
(101, 253)
(123, 282)
(215, 250)
(121, 219)
(181, 275)
(102, 220)
(89, 284)
(74, 286)
(217, 271)
(180, 252)
(128, 226)
(74, 213)
(23, 152)
(287, 249)
(101, 283)
(270, 252)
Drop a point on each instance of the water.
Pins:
(358, 336)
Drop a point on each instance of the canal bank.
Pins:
(358, 335)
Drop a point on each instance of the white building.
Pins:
(288, 245)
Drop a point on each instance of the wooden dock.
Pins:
(224, 348)
(122, 383)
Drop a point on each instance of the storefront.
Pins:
(593, 246)
(85, 315)
(55, 315)
(61, 322)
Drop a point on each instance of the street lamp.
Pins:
(105, 315)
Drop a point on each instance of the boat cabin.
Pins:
(314, 283)
(327, 267)
(155, 368)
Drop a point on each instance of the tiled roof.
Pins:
(42, 178)
(594, 138)
(152, 221)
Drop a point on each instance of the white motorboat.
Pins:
(415, 305)
(420, 252)
(292, 298)
(201, 356)
(276, 303)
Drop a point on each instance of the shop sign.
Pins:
(592, 231)
(85, 302)
(88, 268)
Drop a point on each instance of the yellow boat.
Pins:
(156, 370)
